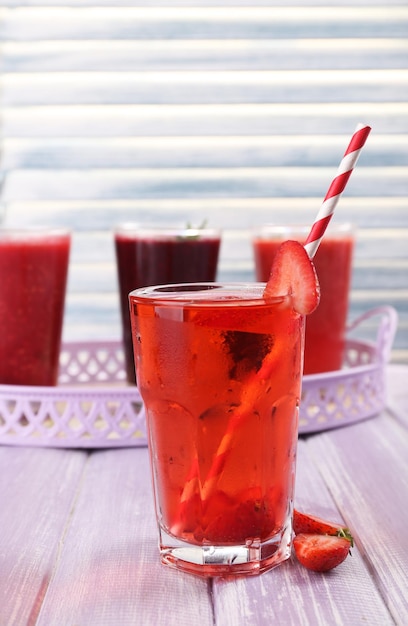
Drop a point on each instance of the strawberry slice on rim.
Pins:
(294, 274)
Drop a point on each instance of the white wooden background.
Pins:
(179, 110)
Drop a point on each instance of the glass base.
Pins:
(252, 558)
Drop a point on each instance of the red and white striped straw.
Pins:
(312, 243)
(336, 188)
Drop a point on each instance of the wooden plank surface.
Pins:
(398, 400)
(37, 495)
(372, 459)
(294, 596)
(78, 541)
(109, 571)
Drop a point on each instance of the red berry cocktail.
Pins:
(153, 256)
(326, 326)
(33, 276)
(219, 370)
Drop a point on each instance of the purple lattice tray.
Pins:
(93, 407)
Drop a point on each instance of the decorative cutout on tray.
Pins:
(358, 390)
(94, 408)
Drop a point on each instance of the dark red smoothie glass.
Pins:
(149, 256)
(325, 327)
(33, 277)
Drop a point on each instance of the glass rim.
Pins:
(136, 227)
(144, 230)
(33, 232)
(333, 229)
(199, 294)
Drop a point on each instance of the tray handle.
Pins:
(386, 329)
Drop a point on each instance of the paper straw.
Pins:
(317, 231)
(336, 188)
(241, 412)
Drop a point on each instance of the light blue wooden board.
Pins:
(211, 22)
(198, 152)
(103, 276)
(270, 118)
(245, 54)
(94, 218)
(255, 182)
(257, 110)
(167, 88)
(196, 3)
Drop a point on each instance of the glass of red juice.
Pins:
(219, 371)
(148, 256)
(33, 277)
(326, 326)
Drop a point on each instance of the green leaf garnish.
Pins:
(192, 232)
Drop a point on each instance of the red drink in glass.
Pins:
(325, 327)
(33, 276)
(153, 256)
(219, 370)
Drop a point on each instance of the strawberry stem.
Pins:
(346, 534)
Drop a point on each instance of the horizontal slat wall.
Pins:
(176, 111)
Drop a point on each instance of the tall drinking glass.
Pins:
(33, 276)
(219, 370)
(159, 255)
(326, 326)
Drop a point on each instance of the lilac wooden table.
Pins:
(78, 538)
